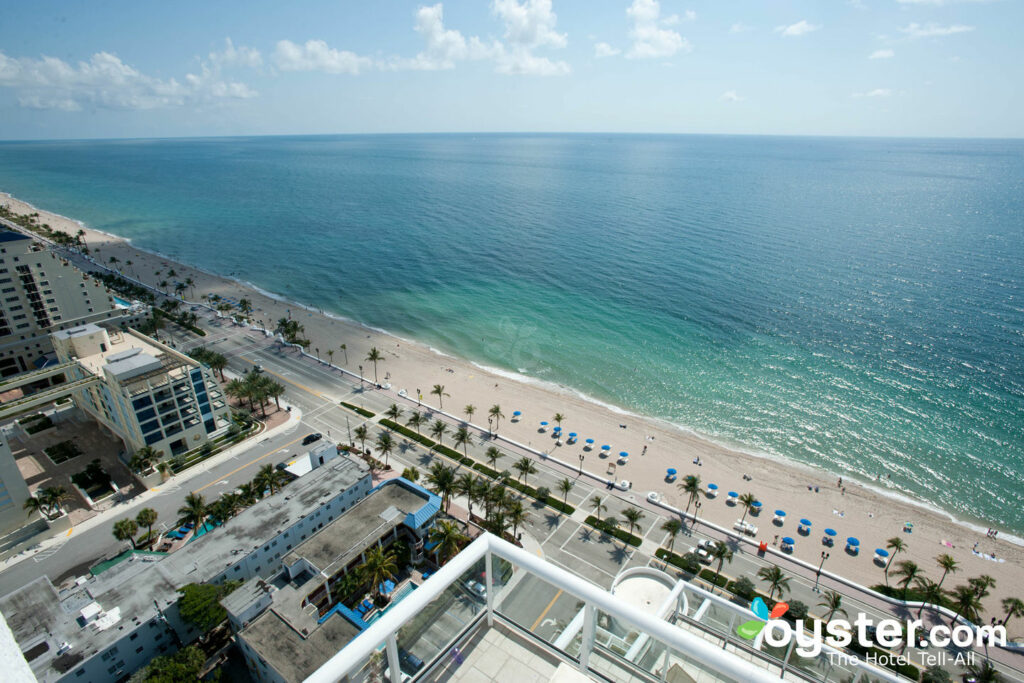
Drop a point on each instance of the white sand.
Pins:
(866, 514)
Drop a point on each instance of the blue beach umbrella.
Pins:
(830, 532)
(757, 504)
(780, 513)
(543, 424)
(733, 494)
(606, 447)
(853, 541)
(713, 487)
(623, 454)
(590, 441)
(671, 471)
(881, 552)
(572, 435)
(517, 413)
(788, 540)
(557, 429)
(805, 522)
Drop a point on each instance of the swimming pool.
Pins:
(395, 599)
(122, 303)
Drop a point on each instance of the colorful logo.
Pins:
(749, 629)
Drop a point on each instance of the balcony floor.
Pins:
(497, 654)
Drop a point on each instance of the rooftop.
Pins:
(334, 546)
(293, 655)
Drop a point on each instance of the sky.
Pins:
(923, 68)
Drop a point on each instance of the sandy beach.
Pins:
(853, 509)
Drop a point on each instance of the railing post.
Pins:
(394, 663)
(489, 580)
(589, 631)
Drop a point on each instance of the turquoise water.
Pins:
(852, 304)
(395, 599)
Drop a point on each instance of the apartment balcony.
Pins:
(476, 619)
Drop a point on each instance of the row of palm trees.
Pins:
(256, 388)
(126, 529)
(631, 516)
(48, 501)
(212, 359)
(502, 510)
(268, 481)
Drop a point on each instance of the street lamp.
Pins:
(696, 509)
(581, 464)
(360, 375)
(817, 576)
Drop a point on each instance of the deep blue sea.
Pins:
(849, 303)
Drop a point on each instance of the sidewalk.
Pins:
(171, 484)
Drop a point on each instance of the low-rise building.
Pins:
(148, 393)
(287, 626)
(106, 627)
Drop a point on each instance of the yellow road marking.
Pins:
(251, 462)
(285, 379)
(546, 610)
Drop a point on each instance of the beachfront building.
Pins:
(289, 625)
(41, 293)
(13, 490)
(106, 626)
(499, 612)
(145, 392)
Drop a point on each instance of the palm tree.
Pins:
(983, 671)
(633, 517)
(598, 504)
(966, 601)
(691, 487)
(33, 504)
(244, 305)
(375, 356)
(833, 603)
(723, 554)
(525, 467)
(446, 537)
(377, 567)
(438, 391)
(411, 473)
(1014, 608)
(493, 454)
(217, 363)
(441, 480)
(361, 433)
(777, 581)
(239, 390)
(908, 571)
(128, 265)
(385, 444)
(931, 593)
(344, 349)
(247, 494)
(564, 486)
(469, 410)
(672, 527)
(496, 415)
(179, 288)
(557, 419)
(981, 585)
(438, 430)
(54, 497)
(162, 285)
(462, 438)
(747, 501)
(895, 545)
(394, 412)
(191, 284)
(330, 356)
(416, 420)
(275, 390)
(516, 515)
(125, 530)
(194, 509)
(228, 506)
(268, 479)
(172, 273)
(465, 485)
(147, 518)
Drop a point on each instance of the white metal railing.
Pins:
(384, 630)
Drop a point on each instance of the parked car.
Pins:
(477, 589)
(312, 438)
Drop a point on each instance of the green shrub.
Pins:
(605, 527)
(39, 424)
(356, 409)
(744, 588)
(63, 451)
(797, 610)
(709, 576)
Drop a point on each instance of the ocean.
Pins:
(854, 304)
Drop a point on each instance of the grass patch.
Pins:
(709, 576)
(36, 423)
(180, 463)
(605, 527)
(356, 409)
(62, 452)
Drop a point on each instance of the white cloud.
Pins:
(800, 28)
(444, 46)
(731, 96)
(740, 28)
(528, 25)
(932, 30)
(605, 50)
(877, 92)
(236, 56)
(316, 55)
(104, 81)
(649, 40)
(882, 54)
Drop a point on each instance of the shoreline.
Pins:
(775, 478)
